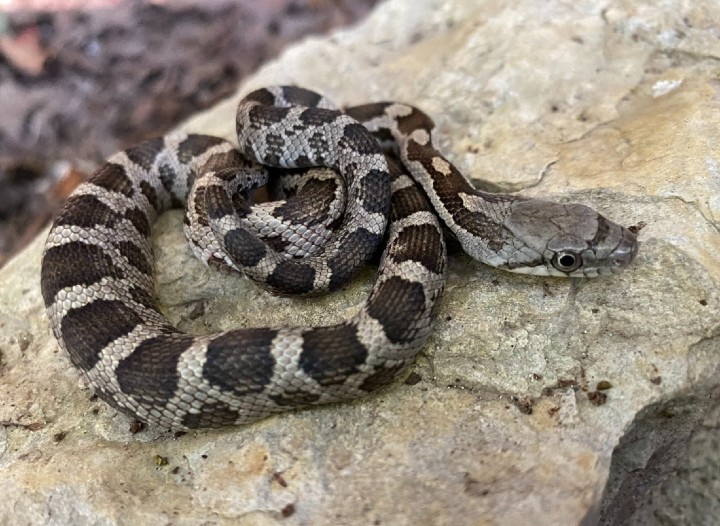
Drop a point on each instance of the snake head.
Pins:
(572, 240)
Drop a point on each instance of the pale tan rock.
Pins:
(612, 105)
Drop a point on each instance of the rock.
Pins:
(503, 421)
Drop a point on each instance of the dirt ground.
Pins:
(81, 80)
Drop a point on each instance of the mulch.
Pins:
(77, 85)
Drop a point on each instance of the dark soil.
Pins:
(107, 78)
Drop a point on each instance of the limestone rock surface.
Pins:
(615, 105)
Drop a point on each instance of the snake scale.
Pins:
(97, 267)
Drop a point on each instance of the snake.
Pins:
(374, 184)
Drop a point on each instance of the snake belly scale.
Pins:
(97, 267)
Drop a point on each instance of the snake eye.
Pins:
(566, 262)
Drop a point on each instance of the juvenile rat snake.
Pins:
(97, 267)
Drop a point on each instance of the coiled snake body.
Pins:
(97, 268)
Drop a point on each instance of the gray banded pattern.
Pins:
(97, 268)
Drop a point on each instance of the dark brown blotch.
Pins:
(268, 114)
(75, 263)
(195, 145)
(145, 153)
(292, 277)
(244, 248)
(381, 377)
(143, 297)
(311, 208)
(358, 247)
(200, 207)
(301, 96)
(375, 191)
(399, 306)
(87, 330)
(318, 116)
(211, 414)
(415, 120)
(139, 220)
(406, 202)
(113, 177)
(217, 202)
(86, 211)
(331, 354)
(261, 96)
(135, 256)
(366, 112)
(278, 243)
(150, 373)
(150, 194)
(167, 176)
(421, 243)
(357, 138)
(240, 361)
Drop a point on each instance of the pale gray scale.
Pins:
(536, 271)
(401, 182)
(64, 234)
(185, 172)
(373, 222)
(249, 406)
(136, 174)
(286, 349)
(496, 208)
(411, 271)
(146, 413)
(188, 172)
(421, 217)
(265, 225)
(280, 99)
(301, 240)
(371, 334)
(76, 296)
(205, 246)
(323, 273)
(380, 122)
